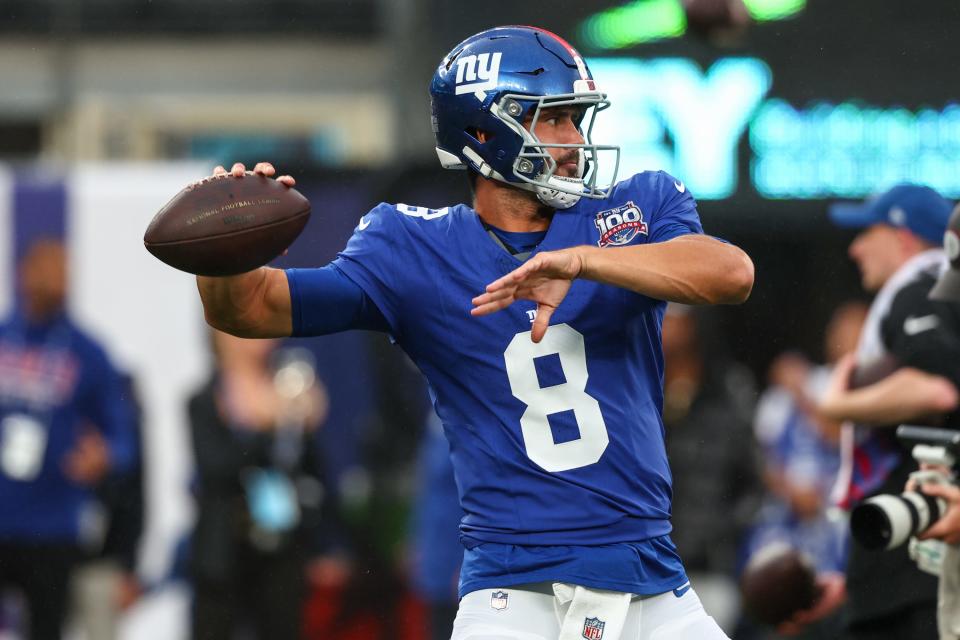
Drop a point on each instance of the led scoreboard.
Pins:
(673, 114)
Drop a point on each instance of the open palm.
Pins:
(544, 279)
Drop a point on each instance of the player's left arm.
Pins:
(690, 269)
(678, 263)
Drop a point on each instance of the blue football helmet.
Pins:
(495, 82)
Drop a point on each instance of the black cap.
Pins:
(947, 288)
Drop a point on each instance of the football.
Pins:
(777, 582)
(225, 225)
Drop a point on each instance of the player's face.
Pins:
(561, 125)
(878, 253)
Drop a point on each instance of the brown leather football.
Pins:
(777, 582)
(226, 225)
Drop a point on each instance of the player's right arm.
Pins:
(254, 304)
(273, 303)
(250, 305)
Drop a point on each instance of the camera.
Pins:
(887, 521)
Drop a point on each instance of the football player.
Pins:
(535, 316)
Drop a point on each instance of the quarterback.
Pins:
(535, 316)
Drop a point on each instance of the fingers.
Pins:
(264, 169)
(946, 528)
(541, 322)
(492, 296)
(488, 303)
(951, 493)
(509, 280)
(941, 530)
(238, 170)
(516, 276)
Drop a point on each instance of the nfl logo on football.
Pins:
(621, 225)
(593, 628)
(498, 600)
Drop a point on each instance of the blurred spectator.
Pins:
(436, 532)
(801, 449)
(707, 408)
(378, 600)
(64, 425)
(105, 583)
(265, 518)
(801, 456)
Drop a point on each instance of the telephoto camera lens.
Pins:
(887, 521)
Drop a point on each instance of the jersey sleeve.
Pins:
(923, 333)
(325, 301)
(376, 258)
(674, 212)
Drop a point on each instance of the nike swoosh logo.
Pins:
(680, 186)
(682, 589)
(912, 326)
(363, 224)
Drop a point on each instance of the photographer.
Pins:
(947, 290)
(947, 528)
(901, 372)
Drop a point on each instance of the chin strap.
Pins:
(570, 190)
(562, 198)
(559, 192)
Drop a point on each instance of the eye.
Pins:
(552, 121)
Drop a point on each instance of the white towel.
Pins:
(595, 614)
(948, 598)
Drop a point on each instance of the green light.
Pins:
(763, 10)
(635, 23)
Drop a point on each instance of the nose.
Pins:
(854, 249)
(571, 133)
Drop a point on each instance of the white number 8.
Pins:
(567, 343)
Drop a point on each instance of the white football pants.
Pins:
(534, 612)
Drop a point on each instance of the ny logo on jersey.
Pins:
(621, 225)
(593, 628)
(478, 73)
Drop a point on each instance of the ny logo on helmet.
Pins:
(479, 72)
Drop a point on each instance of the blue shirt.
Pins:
(558, 443)
(55, 382)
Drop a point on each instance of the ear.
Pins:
(482, 136)
(911, 243)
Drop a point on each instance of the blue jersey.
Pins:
(558, 443)
(55, 382)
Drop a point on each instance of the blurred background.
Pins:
(769, 110)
